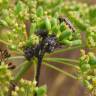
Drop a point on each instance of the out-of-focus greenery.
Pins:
(87, 71)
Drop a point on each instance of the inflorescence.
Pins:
(36, 27)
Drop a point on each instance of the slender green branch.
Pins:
(54, 59)
(59, 70)
(23, 70)
(18, 67)
(66, 63)
(71, 65)
(4, 42)
(67, 49)
(35, 69)
(16, 57)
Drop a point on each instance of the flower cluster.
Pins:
(88, 71)
(23, 88)
(91, 36)
(22, 13)
(35, 27)
(5, 78)
(14, 18)
(27, 88)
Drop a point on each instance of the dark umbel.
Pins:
(46, 45)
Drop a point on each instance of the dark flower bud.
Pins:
(42, 32)
(50, 44)
(29, 52)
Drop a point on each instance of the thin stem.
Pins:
(23, 70)
(59, 70)
(38, 70)
(71, 65)
(18, 67)
(67, 49)
(54, 59)
(16, 57)
(4, 42)
(35, 69)
(66, 63)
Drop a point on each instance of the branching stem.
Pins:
(67, 49)
(53, 59)
(23, 70)
(38, 70)
(60, 70)
(68, 64)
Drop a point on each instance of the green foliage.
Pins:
(5, 78)
(73, 24)
(24, 87)
(87, 70)
(27, 88)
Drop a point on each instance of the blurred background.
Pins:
(57, 83)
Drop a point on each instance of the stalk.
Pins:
(67, 49)
(38, 70)
(68, 64)
(60, 60)
(23, 70)
(61, 71)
